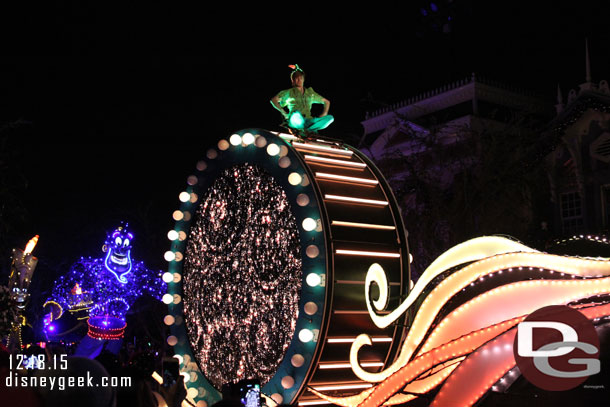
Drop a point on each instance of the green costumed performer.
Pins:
(299, 100)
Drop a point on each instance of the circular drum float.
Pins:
(267, 265)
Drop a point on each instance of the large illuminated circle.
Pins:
(259, 288)
(242, 277)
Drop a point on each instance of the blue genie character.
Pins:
(118, 257)
(96, 294)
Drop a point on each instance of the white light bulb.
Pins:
(309, 224)
(313, 279)
(235, 139)
(305, 335)
(184, 196)
(294, 178)
(248, 138)
(273, 149)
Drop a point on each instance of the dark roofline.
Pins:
(584, 101)
(442, 89)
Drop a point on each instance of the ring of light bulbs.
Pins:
(270, 152)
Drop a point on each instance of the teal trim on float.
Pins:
(246, 146)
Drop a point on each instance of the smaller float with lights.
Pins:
(16, 297)
(89, 303)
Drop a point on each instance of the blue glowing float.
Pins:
(96, 295)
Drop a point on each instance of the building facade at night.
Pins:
(446, 133)
(472, 103)
(579, 168)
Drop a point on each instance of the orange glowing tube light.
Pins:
(322, 149)
(351, 340)
(361, 225)
(352, 199)
(313, 403)
(367, 253)
(348, 366)
(336, 177)
(332, 161)
(29, 248)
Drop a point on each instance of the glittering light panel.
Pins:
(242, 277)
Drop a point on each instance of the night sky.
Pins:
(109, 127)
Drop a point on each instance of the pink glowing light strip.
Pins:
(322, 149)
(332, 161)
(355, 200)
(366, 253)
(335, 177)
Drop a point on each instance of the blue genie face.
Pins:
(118, 257)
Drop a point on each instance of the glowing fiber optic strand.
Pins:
(490, 363)
(453, 284)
